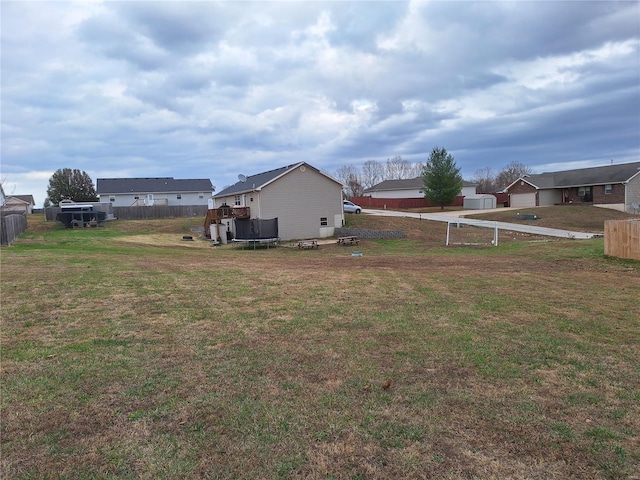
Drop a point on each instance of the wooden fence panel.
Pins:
(622, 238)
(10, 227)
(147, 212)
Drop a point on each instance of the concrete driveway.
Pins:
(514, 227)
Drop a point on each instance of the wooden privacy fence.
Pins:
(622, 238)
(145, 212)
(11, 226)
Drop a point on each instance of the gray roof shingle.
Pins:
(253, 182)
(107, 186)
(258, 181)
(608, 174)
(23, 198)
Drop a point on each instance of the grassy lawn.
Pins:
(128, 353)
(570, 217)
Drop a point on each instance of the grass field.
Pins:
(128, 353)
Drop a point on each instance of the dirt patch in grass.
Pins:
(168, 240)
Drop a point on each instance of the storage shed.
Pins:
(479, 202)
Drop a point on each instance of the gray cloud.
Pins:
(213, 89)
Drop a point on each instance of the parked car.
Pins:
(350, 207)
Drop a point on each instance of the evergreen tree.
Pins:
(441, 177)
(67, 184)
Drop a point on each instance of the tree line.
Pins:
(358, 179)
(441, 178)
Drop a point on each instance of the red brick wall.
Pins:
(518, 188)
(616, 196)
(400, 203)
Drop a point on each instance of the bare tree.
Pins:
(355, 188)
(398, 168)
(357, 180)
(485, 180)
(372, 173)
(511, 173)
(349, 176)
(416, 170)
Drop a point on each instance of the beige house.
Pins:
(19, 204)
(306, 201)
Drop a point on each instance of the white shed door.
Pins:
(523, 200)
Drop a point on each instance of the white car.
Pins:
(350, 207)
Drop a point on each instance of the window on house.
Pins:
(201, 195)
(112, 199)
(136, 197)
(323, 221)
(585, 194)
(237, 200)
(608, 189)
(179, 196)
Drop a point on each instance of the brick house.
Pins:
(614, 186)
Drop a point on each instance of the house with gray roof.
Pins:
(409, 188)
(306, 201)
(131, 192)
(19, 204)
(614, 186)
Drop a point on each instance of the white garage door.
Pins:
(523, 200)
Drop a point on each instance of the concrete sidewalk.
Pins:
(514, 227)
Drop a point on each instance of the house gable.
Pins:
(306, 201)
(259, 181)
(19, 203)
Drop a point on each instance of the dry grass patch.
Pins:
(581, 218)
(157, 361)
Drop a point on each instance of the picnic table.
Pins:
(348, 240)
(308, 244)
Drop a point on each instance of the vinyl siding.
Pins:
(633, 193)
(299, 199)
(415, 193)
(126, 200)
(397, 194)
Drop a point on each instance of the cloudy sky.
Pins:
(214, 89)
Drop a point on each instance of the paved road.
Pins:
(514, 227)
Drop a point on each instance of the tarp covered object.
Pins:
(256, 229)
